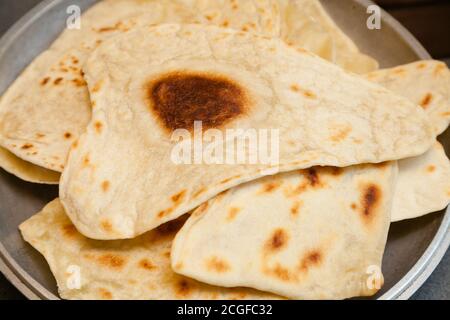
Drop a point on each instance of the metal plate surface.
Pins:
(414, 247)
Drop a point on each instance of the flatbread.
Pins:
(324, 115)
(312, 234)
(424, 182)
(306, 24)
(46, 109)
(426, 83)
(137, 269)
(423, 185)
(25, 170)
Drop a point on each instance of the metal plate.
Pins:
(414, 247)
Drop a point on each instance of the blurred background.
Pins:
(428, 20)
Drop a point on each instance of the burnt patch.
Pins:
(112, 261)
(147, 265)
(181, 98)
(311, 259)
(370, 201)
(426, 100)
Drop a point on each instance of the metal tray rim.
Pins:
(404, 289)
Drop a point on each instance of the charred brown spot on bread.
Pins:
(232, 213)
(178, 197)
(181, 98)
(27, 146)
(45, 81)
(105, 294)
(67, 135)
(370, 201)
(105, 185)
(218, 265)
(439, 68)
(277, 241)
(57, 81)
(297, 89)
(311, 259)
(426, 100)
(183, 288)
(431, 168)
(354, 206)
(147, 265)
(112, 261)
(226, 23)
(75, 144)
(98, 126)
(398, 70)
(79, 82)
(312, 176)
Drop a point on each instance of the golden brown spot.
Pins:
(181, 98)
(86, 161)
(75, 144)
(178, 197)
(232, 213)
(421, 65)
(69, 230)
(105, 185)
(183, 288)
(58, 81)
(270, 187)
(112, 261)
(426, 100)
(105, 294)
(75, 60)
(164, 213)
(341, 134)
(431, 168)
(178, 266)
(45, 81)
(97, 86)
(370, 200)
(98, 126)
(354, 206)
(295, 88)
(106, 226)
(277, 241)
(309, 94)
(217, 265)
(147, 265)
(439, 68)
(200, 192)
(79, 82)
(67, 135)
(295, 208)
(225, 24)
(200, 210)
(398, 71)
(312, 259)
(40, 135)
(27, 146)
(280, 273)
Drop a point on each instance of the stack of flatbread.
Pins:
(97, 113)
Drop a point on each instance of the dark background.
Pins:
(428, 20)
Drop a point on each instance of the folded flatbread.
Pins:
(133, 269)
(423, 184)
(46, 109)
(311, 234)
(26, 170)
(121, 179)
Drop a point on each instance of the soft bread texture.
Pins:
(423, 185)
(46, 109)
(426, 83)
(25, 170)
(424, 182)
(305, 23)
(325, 116)
(311, 234)
(131, 269)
